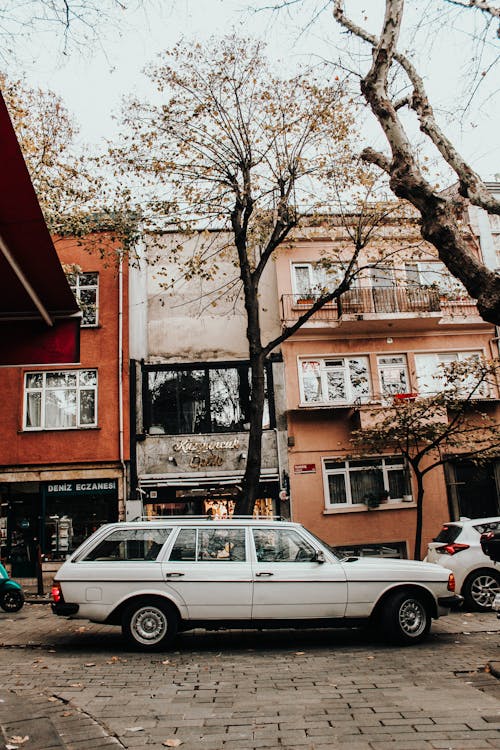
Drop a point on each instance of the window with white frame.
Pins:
(354, 482)
(393, 374)
(311, 279)
(66, 399)
(431, 374)
(336, 380)
(85, 287)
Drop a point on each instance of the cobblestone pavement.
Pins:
(70, 684)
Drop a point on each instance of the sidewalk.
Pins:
(38, 722)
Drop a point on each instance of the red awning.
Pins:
(38, 312)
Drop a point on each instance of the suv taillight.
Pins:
(451, 582)
(56, 593)
(452, 549)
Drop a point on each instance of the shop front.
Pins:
(201, 475)
(47, 520)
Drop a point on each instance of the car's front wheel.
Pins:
(405, 619)
(480, 589)
(149, 625)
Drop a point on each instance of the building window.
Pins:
(434, 274)
(393, 375)
(431, 374)
(339, 380)
(200, 399)
(85, 287)
(313, 279)
(60, 400)
(356, 482)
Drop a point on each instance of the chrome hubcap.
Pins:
(412, 617)
(149, 625)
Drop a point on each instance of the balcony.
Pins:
(403, 307)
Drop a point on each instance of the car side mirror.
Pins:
(319, 557)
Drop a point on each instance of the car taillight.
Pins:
(452, 549)
(451, 582)
(56, 593)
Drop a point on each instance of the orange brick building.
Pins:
(383, 339)
(64, 442)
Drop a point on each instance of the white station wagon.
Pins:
(156, 578)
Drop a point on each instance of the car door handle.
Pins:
(174, 575)
(264, 573)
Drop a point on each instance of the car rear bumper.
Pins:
(63, 609)
(450, 602)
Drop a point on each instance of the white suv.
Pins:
(457, 547)
(158, 577)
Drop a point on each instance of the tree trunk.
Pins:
(245, 501)
(420, 508)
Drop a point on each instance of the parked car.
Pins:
(457, 547)
(11, 593)
(490, 544)
(158, 577)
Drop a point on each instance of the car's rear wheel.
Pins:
(480, 588)
(149, 625)
(405, 619)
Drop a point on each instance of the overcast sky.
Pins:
(93, 83)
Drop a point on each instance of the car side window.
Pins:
(127, 545)
(282, 545)
(221, 544)
(184, 548)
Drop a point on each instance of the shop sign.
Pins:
(304, 468)
(81, 487)
(205, 453)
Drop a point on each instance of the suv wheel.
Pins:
(480, 589)
(405, 619)
(149, 625)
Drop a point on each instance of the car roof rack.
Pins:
(206, 517)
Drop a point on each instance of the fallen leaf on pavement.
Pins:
(90, 664)
(299, 653)
(167, 661)
(172, 743)
(134, 729)
(19, 740)
(52, 698)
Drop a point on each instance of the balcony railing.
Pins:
(378, 300)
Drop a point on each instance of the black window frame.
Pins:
(242, 365)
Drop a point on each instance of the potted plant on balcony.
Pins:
(371, 500)
(307, 297)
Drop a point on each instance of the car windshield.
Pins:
(325, 544)
(448, 534)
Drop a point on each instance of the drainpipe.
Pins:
(120, 377)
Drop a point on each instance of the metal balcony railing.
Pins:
(378, 300)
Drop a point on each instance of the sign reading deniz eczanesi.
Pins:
(81, 487)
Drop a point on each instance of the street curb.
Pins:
(48, 723)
